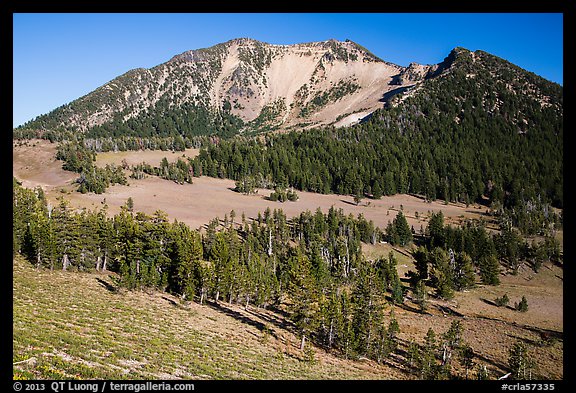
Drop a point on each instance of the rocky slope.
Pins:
(250, 84)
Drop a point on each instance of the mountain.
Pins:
(241, 85)
(477, 128)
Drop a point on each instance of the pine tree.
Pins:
(421, 296)
(346, 327)
(502, 301)
(397, 291)
(443, 274)
(464, 277)
(520, 362)
(427, 358)
(467, 358)
(130, 204)
(185, 256)
(421, 260)
(107, 236)
(220, 257)
(523, 305)
(368, 308)
(490, 270)
(67, 232)
(435, 230)
(402, 229)
(452, 340)
(392, 233)
(413, 354)
(304, 296)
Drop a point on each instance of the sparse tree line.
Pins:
(311, 266)
(450, 258)
(440, 354)
(119, 143)
(92, 178)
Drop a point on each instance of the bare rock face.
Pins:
(273, 86)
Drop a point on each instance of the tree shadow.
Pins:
(499, 365)
(545, 334)
(416, 310)
(527, 340)
(397, 363)
(107, 285)
(239, 317)
(448, 310)
(281, 324)
(348, 202)
(489, 302)
(172, 302)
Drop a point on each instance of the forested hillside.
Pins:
(484, 131)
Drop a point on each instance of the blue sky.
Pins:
(60, 57)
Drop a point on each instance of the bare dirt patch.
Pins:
(152, 157)
(196, 204)
(35, 164)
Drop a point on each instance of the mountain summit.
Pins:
(242, 85)
(247, 86)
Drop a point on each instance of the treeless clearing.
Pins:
(35, 164)
(152, 157)
(196, 204)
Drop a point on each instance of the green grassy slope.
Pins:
(76, 326)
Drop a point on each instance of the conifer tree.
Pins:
(520, 362)
(522, 306)
(220, 257)
(427, 358)
(304, 296)
(452, 340)
(346, 326)
(443, 274)
(464, 277)
(467, 358)
(435, 230)
(402, 229)
(490, 270)
(421, 296)
(368, 308)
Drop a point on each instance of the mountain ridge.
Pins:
(245, 86)
(262, 86)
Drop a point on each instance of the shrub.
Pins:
(502, 301)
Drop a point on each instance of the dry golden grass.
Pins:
(196, 204)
